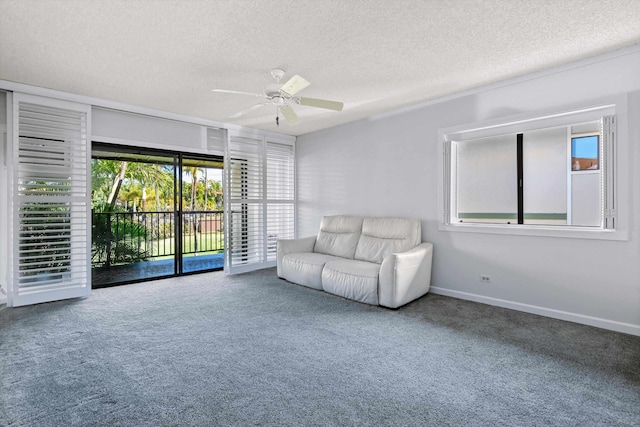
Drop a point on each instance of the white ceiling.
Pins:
(374, 55)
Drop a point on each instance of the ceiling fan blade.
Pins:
(248, 110)
(289, 115)
(321, 103)
(237, 92)
(294, 85)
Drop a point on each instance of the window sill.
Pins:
(537, 231)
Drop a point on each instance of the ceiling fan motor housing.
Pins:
(276, 98)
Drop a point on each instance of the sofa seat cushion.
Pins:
(356, 280)
(305, 268)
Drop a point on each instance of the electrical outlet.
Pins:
(485, 279)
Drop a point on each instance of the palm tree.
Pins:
(115, 188)
(125, 179)
(193, 171)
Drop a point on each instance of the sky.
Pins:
(212, 175)
(585, 147)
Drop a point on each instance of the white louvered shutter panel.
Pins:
(51, 201)
(280, 195)
(244, 204)
(452, 183)
(608, 165)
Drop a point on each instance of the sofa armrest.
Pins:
(405, 276)
(288, 246)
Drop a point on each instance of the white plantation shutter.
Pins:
(51, 201)
(259, 201)
(608, 167)
(280, 195)
(245, 203)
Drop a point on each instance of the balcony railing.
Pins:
(127, 237)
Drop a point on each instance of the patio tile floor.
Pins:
(102, 276)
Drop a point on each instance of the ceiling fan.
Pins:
(283, 96)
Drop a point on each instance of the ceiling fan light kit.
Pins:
(283, 96)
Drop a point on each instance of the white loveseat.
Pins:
(378, 261)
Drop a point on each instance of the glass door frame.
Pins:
(184, 158)
(178, 208)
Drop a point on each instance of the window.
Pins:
(585, 152)
(553, 172)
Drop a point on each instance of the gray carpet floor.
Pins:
(252, 350)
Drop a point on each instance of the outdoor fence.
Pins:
(126, 237)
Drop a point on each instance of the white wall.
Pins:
(387, 165)
(120, 127)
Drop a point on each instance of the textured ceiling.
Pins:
(374, 55)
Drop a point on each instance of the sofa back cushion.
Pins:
(338, 235)
(383, 236)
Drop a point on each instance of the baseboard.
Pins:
(612, 325)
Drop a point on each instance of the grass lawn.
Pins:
(207, 242)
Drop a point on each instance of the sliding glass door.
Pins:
(202, 215)
(154, 214)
